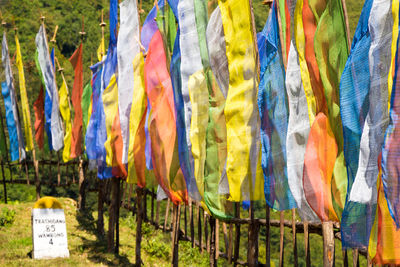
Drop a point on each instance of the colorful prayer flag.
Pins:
(76, 99)
(26, 114)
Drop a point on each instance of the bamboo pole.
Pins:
(206, 236)
(294, 238)
(157, 213)
(166, 215)
(281, 239)
(329, 244)
(152, 205)
(100, 205)
(217, 239)
(237, 234)
(345, 258)
(191, 221)
(230, 244)
(213, 242)
(175, 235)
(139, 216)
(252, 250)
(356, 262)
(346, 19)
(4, 182)
(199, 227)
(306, 245)
(267, 238)
(118, 202)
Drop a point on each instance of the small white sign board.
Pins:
(49, 233)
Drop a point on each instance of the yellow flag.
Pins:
(101, 51)
(137, 138)
(66, 115)
(243, 166)
(26, 115)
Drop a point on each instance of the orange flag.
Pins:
(76, 97)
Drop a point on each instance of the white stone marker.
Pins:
(49, 231)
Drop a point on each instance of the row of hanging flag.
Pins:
(197, 103)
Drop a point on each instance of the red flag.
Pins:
(76, 97)
(38, 107)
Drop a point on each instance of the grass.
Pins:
(87, 249)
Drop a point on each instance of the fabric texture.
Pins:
(128, 47)
(273, 108)
(47, 70)
(357, 218)
(38, 107)
(66, 115)
(243, 165)
(5, 57)
(76, 99)
(26, 114)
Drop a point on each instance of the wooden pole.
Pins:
(217, 239)
(213, 241)
(175, 239)
(26, 172)
(144, 206)
(230, 244)
(267, 238)
(185, 220)
(199, 227)
(252, 249)
(58, 169)
(295, 263)
(306, 244)
(118, 202)
(329, 244)
(166, 216)
(346, 19)
(191, 221)
(139, 216)
(4, 182)
(237, 234)
(206, 237)
(152, 205)
(281, 239)
(112, 213)
(157, 213)
(356, 262)
(345, 258)
(100, 205)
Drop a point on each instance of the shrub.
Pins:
(7, 217)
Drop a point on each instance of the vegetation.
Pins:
(7, 217)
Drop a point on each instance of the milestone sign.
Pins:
(49, 231)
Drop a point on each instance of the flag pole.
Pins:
(346, 19)
(254, 227)
(81, 198)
